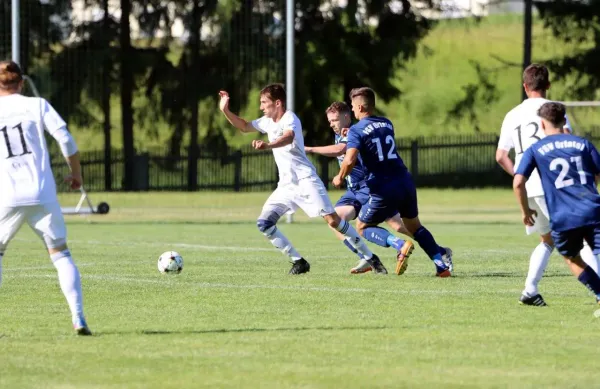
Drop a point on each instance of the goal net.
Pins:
(584, 118)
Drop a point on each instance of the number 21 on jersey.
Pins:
(562, 181)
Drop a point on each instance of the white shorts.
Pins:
(542, 220)
(309, 194)
(46, 220)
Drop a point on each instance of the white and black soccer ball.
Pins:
(170, 262)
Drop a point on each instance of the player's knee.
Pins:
(547, 240)
(265, 226)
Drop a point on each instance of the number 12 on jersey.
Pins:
(391, 152)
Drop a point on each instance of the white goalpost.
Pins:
(581, 118)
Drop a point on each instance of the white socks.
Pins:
(280, 241)
(354, 239)
(537, 264)
(589, 258)
(70, 282)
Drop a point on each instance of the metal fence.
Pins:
(452, 161)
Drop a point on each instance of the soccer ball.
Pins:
(170, 262)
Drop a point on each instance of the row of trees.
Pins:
(337, 48)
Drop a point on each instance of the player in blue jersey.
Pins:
(390, 184)
(357, 193)
(568, 166)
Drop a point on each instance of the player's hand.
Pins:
(74, 180)
(529, 217)
(344, 132)
(224, 102)
(337, 181)
(308, 149)
(260, 145)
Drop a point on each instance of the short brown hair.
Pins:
(10, 75)
(367, 94)
(536, 77)
(339, 107)
(554, 113)
(274, 92)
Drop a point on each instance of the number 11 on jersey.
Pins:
(4, 131)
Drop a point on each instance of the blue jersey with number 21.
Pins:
(373, 136)
(567, 165)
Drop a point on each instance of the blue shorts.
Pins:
(389, 198)
(569, 243)
(356, 198)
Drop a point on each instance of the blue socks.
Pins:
(381, 236)
(428, 244)
(590, 279)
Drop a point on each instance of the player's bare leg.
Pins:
(380, 236)
(585, 274)
(266, 224)
(348, 213)
(70, 284)
(441, 256)
(537, 265)
(352, 237)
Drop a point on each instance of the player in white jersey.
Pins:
(521, 128)
(28, 190)
(299, 185)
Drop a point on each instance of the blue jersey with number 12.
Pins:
(373, 136)
(567, 165)
(356, 178)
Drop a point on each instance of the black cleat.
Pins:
(377, 266)
(537, 301)
(300, 266)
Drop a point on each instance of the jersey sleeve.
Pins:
(260, 124)
(289, 123)
(595, 158)
(353, 139)
(527, 163)
(506, 141)
(567, 125)
(51, 119)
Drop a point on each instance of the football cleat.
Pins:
(362, 267)
(537, 300)
(81, 328)
(377, 266)
(443, 273)
(447, 258)
(299, 267)
(402, 257)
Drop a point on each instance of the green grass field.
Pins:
(235, 319)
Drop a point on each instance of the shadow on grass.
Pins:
(506, 275)
(243, 330)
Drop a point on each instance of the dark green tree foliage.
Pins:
(576, 23)
(340, 49)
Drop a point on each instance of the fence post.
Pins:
(192, 168)
(414, 158)
(141, 167)
(237, 170)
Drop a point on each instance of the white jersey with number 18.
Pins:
(521, 128)
(25, 173)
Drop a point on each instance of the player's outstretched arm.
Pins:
(346, 166)
(521, 194)
(235, 120)
(504, 160)
(74, 179)
(328, 151)
(285, 139)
